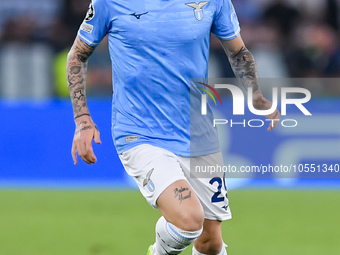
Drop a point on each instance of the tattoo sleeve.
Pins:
(76, 69)
(244, 67)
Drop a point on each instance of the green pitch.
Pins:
(122, 223)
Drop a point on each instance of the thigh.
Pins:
(212, 191)
(180, 206)
(154, 170)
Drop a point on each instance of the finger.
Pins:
(74, 153)
(94, 158)
(83, 154)
(89, 152)
(89, 155)
(81, 149)
(85, 159)
(97, 136)
(90, 158)
(275, 120)
(272, 125)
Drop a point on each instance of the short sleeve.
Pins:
(96, 23)
(226, 25)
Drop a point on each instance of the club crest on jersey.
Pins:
(198, 11)
(90, 13)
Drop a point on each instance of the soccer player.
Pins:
(156, 47)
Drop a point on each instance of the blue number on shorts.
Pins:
(215, 198)
(225, 185)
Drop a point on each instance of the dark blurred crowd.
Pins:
(56, 23)
(298, 38)
(302, 35)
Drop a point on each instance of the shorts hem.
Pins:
(181, 153)
(214, 217)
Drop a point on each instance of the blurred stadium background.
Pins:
(49, 206)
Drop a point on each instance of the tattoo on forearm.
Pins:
(78, 94)
(79, 107)
(83, 51)
(243, 65)
(179, 193)
(76, 75)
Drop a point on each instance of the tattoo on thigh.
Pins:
(182, 193)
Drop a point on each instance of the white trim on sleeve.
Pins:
(87, 41)
(230, 36)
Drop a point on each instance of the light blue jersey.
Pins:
(156, 47)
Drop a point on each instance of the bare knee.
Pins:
(209, 247)
(190, 220)
(180, 206)
(210, 241)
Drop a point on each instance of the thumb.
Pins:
(97, 137)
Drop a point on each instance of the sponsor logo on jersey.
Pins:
(137, 16)
(198, 11)
(225, 207)
(148, 182)
(90, 12)
(86, 27)
(131, 138)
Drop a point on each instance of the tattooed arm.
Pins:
(86, 130)
(243, 64)
(76, 76)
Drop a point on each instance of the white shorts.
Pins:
(154, 169)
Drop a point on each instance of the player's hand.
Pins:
(86, 130)
(261, 103)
